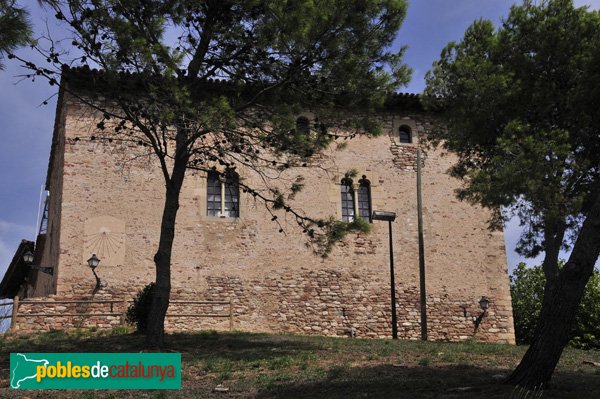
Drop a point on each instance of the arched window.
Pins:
(347, 200)
(231, 208)
(405, 134)
(223, 195)
(303, 125)
(356, 199)
(213, 199)
(364, 199)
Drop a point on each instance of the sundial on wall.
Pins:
(104, 236)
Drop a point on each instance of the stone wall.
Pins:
(111, 197)
(323, 302)
(106, 310)
(52, 313)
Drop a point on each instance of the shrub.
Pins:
(120, 330)
(138, 311)
(527, 290)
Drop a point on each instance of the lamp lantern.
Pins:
(484, 303)
(93, 262)
(28, 257)
(383, 215)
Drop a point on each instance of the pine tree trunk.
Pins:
(552, 333)
(162, 259)
(562, 296)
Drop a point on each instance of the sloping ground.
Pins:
(286, 366)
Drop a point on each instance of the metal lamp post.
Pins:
(390, 217)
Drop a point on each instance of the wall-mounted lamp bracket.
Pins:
(28, 259)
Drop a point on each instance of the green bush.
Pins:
(138, 311)
(527, 291)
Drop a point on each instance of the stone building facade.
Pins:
(104, 200)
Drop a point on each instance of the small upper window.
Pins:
(405, 134)
(303, 125)
(223, 195)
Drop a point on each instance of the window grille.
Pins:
(364, 199)
(405, 134)
(347, 200)
(223, 195)
(232, 197)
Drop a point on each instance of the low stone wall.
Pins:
(323, 302)
(333, 303)
(106, 311)
(53, 313)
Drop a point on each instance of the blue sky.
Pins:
(26, 125)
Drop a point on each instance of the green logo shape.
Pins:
(95, 371)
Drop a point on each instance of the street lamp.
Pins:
(28, 259)
(93, 264)
(484, 304)
(390, 217)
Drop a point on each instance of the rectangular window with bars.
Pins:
(364, 201)
(213, 201)
(216, 204)
(347, 202)
(232, 194)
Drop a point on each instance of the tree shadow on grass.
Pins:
(278, 366)
(245, 347)
(464, 382)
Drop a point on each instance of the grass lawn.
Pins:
(290, 366)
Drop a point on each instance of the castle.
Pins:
(106, 202)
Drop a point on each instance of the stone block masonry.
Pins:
(333, 303)
(323, 302)
(105, 310)
(54, 313)
(107, 199)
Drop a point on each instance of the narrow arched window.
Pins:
(303, 125)
(223, 194)
(364, 199)
(405, 134)
(231, 207)
(213, 199)
(347, 200)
